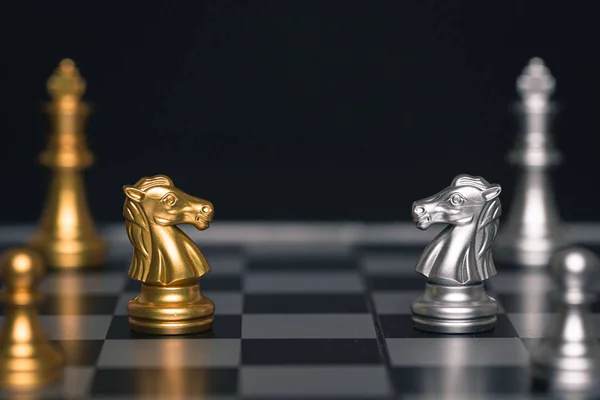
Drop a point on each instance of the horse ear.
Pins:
(134, 194)
(491, 193)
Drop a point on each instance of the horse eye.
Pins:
(456, 199)
(170, 199)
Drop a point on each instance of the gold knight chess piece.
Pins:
(165, 259)
(66, 234)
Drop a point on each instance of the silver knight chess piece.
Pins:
(459, 258)
(532, 231)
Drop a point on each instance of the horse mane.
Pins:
(138, 226)
(487, 225)
(468, 180)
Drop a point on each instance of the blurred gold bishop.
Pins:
(27, 359)
(66, 234)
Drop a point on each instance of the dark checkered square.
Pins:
(191, 382)
(305, 303)
(80, 352)
(310, 352)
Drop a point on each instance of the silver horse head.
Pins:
(461, 253)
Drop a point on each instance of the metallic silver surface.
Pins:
(533, 229)
(569, 357)
(459, 258)
(454, 309)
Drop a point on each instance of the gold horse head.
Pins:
(163, 253)
(166, 205)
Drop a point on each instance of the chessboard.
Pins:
(308, 314)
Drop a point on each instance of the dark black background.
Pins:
(297, 109)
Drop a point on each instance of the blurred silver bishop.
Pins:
(568, 358)
(459, 259)
(532, 231)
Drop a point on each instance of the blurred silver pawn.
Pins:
(532, 231)
(568, 358)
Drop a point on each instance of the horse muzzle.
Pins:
(201, 222)
(420, 216)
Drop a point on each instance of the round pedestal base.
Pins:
(171, 310)
(454, 309)
(526, 252)
(547, 379)
(71, 253)
(32, 372)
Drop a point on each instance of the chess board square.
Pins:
(531, 344)
(207, 282)
(78, 304)
(215, 250)
(310, 351)
(535, 303)
(400, 263)
(226, 303)
(457, 351)
(223, 264)
(75, 327)
(306, 304)
(289, 382)
(224, 327)
(78, 283)
(396, 283)
(170, 352)
(80, 352)
(303, 282)
(303, 262)
(308, 326)
(462, 382)
(401, 326)
(154, 383)
(521, 282)
(538, 325)
(395, 302)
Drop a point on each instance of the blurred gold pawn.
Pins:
(66, 235)
(27, 359)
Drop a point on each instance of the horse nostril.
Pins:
(206, 209)
(419, 210)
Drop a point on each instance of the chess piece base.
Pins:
(526, 252)
(70, 253)
(561, 380)
(27, 359)
(40, 373)
(454, 309)
(171, 310)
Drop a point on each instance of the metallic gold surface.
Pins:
(165, 259)
(66, 234)
(27, 359)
